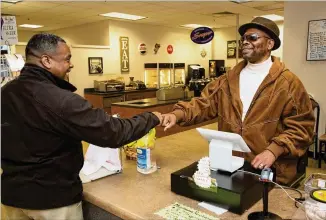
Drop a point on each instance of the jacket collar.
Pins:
(43, 74)
(233, 78)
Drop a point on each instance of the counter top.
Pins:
(145, 103)
(93, 92)
(132, 195)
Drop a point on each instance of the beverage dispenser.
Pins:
(216, 68)
(179, 74)
(196, 79)
(164, 73)
(151, 73)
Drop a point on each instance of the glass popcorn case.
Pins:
(151, 72)
(179, 75)
(165, 70)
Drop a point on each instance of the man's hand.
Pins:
(169, 120)
(263, 160)
(160, 117)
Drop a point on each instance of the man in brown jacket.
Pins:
(261, 100)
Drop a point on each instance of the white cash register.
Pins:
(221, 145)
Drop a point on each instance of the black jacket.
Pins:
(42, 125)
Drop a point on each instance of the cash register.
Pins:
(235, 189)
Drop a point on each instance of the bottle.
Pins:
(146, 160)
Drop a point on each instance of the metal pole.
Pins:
(237, 38)
(265, 199)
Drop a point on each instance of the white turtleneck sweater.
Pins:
(250, 79)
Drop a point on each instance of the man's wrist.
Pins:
(276, 149)
(179, 114)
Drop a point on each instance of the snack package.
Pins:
(147, 141)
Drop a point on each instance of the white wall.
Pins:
(88, 34)
(185, 51)
(311, 73)
(227, 34)
(23, 37)
(220, 45)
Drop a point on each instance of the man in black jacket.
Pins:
(43, 124)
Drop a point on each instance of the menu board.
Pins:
(316, 48)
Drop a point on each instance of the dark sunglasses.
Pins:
(251, 37)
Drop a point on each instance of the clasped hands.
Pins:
(166, 120)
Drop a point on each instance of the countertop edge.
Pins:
(110, 207)
(118, 92)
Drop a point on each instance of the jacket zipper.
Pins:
(254, 100)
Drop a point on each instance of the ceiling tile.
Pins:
(5, 5)
(61, 9)
(277, 5)
(19, 10)
(88, 4)
(40, 4)
(257, 3)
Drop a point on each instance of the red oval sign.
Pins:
(169, 49)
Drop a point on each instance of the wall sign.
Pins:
(316, 46)
(169, 49)
(124, 54)
(231, 49)
(156, 47)
(202, 35)
(142, 48)
(9, 34)
(203, 53)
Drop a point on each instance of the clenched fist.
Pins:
(169, 120)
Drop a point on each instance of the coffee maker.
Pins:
(196, 79)
(195, 71)
(216, 68)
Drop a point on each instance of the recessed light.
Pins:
(193, 25)
(11, 1)
(240, 1)
(272, 17)
(31, 26)
(123, 16)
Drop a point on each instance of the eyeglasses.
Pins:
(252, 37)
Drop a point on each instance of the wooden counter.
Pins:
(130, 108)
(132, 195)
(105, 99)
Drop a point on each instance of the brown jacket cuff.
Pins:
(179, 114)
(277, 150)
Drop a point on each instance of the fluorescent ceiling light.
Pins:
(193, 25)
(30, 26)
(123, 16)
(241, 1)
(273, 17)
(11, 1)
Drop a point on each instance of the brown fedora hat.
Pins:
(266, 25)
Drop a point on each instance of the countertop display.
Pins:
(132, 195)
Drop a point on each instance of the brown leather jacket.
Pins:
(280, 117)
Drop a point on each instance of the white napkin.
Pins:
(100, 157)
(213, 208)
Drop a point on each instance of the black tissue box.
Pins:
(236, 191)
